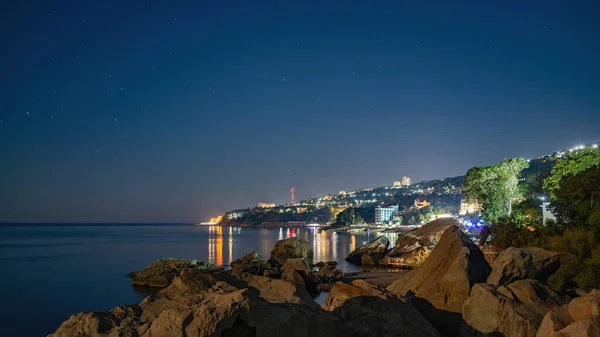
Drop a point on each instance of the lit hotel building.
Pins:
(265, 205)
(467, 207)
(405, 181)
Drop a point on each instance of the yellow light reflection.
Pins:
(352, 243)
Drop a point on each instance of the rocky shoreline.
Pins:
(453, 292)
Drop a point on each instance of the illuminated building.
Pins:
(217, 219)
(384, 214)
(546, 214)
(265, 205)
(467, 207)
(421, 202)
(397, 184)
(405, 181)
(301, 209)
(342, 192)
(328, 197)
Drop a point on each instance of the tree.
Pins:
(575, 163)
(349, 217)
(497, 187)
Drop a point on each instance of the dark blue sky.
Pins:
(179, 110)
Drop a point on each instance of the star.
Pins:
(115, 119)
(27, 113)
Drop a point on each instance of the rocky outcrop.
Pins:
(513, 310)
(442, 284)
(298, 272)
(581, 318)
(371, 253)
(523, 263)
(292, 248)
(162, 272)
(368, 310)
(200, 304)
(105, 323)
(323, 264)
(413, 247)
(253, 263)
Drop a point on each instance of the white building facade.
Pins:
(384, 214)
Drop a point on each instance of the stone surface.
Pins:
(370, 253)
(368, 310)
(292, 248)
(329, 273)
(413, 247)
(298, 271)
(513, 310)
(105, 323)
(254, 263)
(199, 304)
(581, 317)
(523, 263)
(585, 307)
(441, 285)
(162, 272)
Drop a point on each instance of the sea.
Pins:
(49, 272)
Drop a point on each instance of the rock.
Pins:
(368, 310)
(234, 313)
(253, 263)
(162, 272)
(374, 251)
(297, 271)
(589, 327)
(419, 239)
(103, 323)
(324, 287)
(585, 307)
(441, 285)
(328, 273)
(513, 310)
(279, 291)
(523, 263)
(367, 260)
(555, 320)
(292, 248)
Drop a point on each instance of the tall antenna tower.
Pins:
(293, 191)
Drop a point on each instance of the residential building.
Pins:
(421, 202)
(397, 184)
(301, 209)
(384, 214)
(405, 181)
(467, 207)
(265, 205)
(342, 192)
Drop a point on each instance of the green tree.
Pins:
(576, 203)
(497, 187)
(575, 163)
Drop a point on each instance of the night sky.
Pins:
(175, 111)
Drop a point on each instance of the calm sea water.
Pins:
(49, 272)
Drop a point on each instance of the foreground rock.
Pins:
(412, 248)
(162, 272)
(330, 273)
(292, 248)
(523, 263)
(200, 304)
(581, 318)
(371, 253)
(368, 310)
(442, 284)
(514, 310)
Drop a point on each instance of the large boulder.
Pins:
(162, 272)
(441, 285)
(368, 310)
(523, 263)
(292, 248)
(514, 310)
(581, 318)
(329, 273)
(413, 247)
(370, 253)
(298, 272)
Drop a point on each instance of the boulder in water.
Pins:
(162, 272)
(292, 248)
(370, 253)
